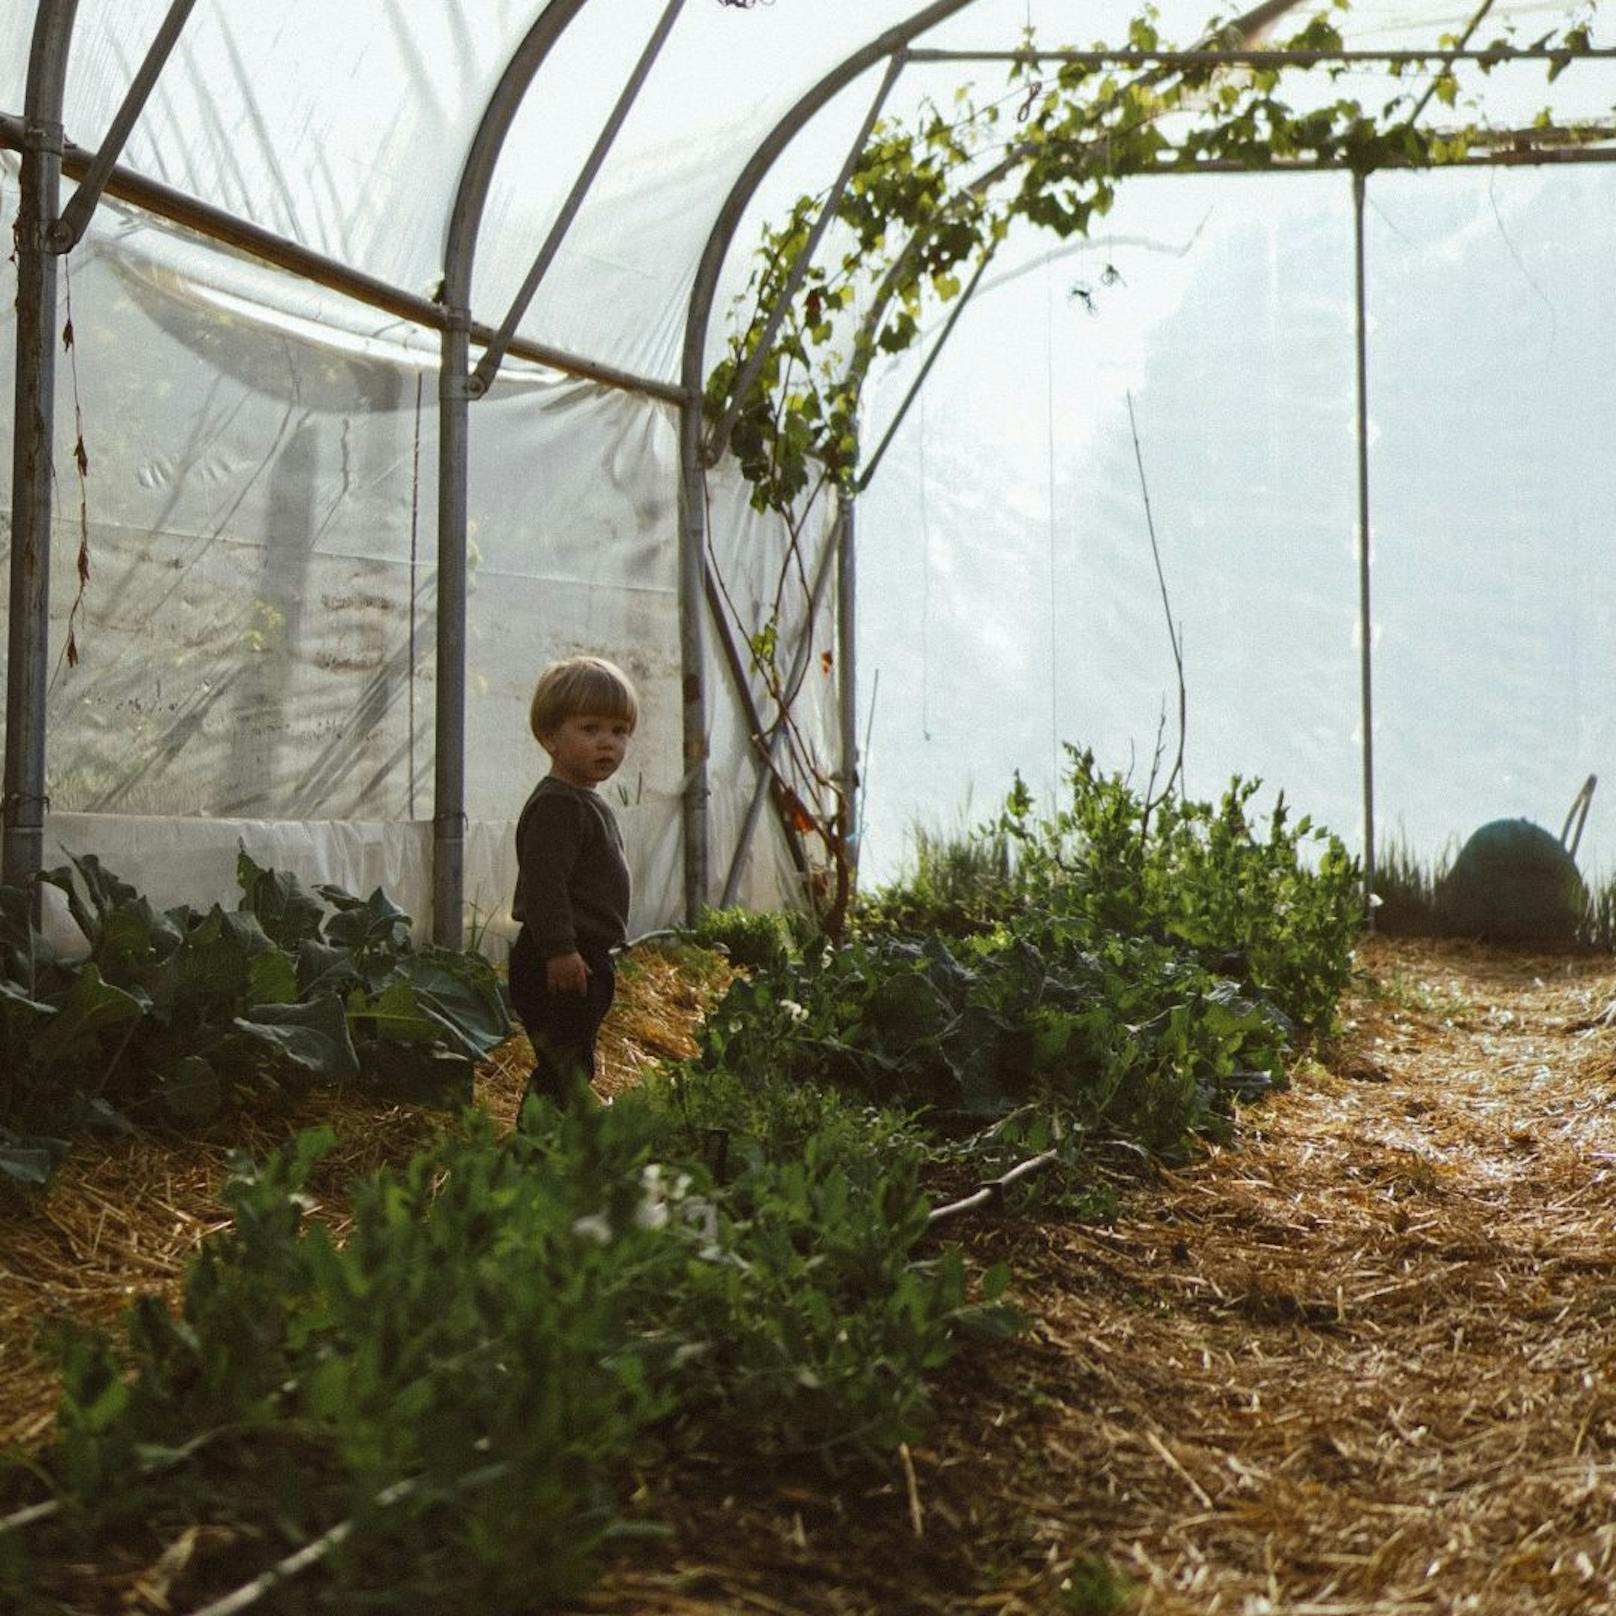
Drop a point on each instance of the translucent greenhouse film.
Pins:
(249, 652)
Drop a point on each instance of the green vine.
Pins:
(928, 205)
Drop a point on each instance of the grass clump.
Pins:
(754, 939)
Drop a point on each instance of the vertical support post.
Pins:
(1365, 619)
(454, 399)
(847, 670)
(692, 654)
(33, 434)
(449, 760)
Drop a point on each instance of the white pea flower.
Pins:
(593, 1227)
(657, 1192)
(793, 1009)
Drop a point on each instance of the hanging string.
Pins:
(81, 461)
(925, 583)
(415, 512)
(1049, 473)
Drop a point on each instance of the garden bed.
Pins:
(125, 1215)
(1352, 1361)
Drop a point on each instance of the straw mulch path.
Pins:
(1356, 1363)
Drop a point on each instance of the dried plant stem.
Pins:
(1174, 631)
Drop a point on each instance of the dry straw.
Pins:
(126, 1215)
(1357, 1363)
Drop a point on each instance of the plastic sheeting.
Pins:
(1225, 311)
(256, 640)
(343, 128)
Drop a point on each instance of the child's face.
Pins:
(586, 749)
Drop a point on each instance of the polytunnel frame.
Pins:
(894, 45)
(42, 235)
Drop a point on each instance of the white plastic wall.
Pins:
(256, 640)
(1229, 320)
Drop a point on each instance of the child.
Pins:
(572, 882)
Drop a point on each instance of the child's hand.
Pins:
(567, 973)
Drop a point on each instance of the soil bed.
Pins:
(1356, 1361)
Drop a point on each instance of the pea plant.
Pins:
(462, 1402)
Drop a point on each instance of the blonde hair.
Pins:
(579, 686)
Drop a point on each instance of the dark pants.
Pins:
(561, 1026)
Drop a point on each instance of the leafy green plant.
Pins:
(172, 1015)
(759, 939)
(1276, 908)
(1090, 1587)
(459, 1380)
(1405, 889)
(960, 882)
(929, 203)
(1130, 1039)
(1598, 929)
(465, 1388)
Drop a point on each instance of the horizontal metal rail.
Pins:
(1256, 56)
(218, 225)
(1525, 157)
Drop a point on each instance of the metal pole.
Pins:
(847, 668)
(799, 666)
(76, 215)
(1214, 56)
(489, 364)
(454, 398)
(449, 751)
(693, 656)
(1365, 622)
(33, 433)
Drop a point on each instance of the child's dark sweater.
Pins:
(572, 882)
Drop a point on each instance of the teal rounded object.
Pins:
(1513, 883)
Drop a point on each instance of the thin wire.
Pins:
(925, 582)
(1049, 472)
(415, 511)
